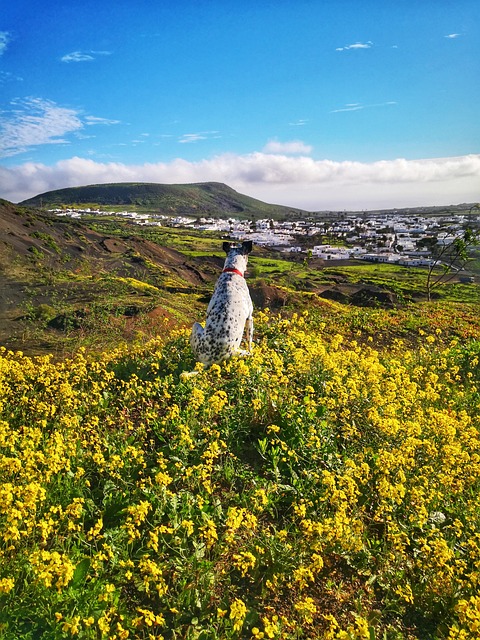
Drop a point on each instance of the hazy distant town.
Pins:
(392, 237)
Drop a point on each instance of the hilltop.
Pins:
(212, 199)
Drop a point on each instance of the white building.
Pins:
(327, 252)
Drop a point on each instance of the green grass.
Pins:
(186, 240)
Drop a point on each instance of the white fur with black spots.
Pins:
(229, 313)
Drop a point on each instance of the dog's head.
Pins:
(243, 249)
(237, 254)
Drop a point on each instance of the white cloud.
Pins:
(293, 147)
(294, 181)
(83, 56)
(188, 138)
(355, 106)
(5, 39)
(348, 107)
(94, 120)
(36, 121)
(6, 76)
(357, 45)
(298, 123)
(452, 36)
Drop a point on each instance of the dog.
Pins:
(229, 312)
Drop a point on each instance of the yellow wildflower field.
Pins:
(321, 488)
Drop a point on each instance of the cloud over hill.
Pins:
(298, 181)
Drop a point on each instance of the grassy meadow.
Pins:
(325, 487)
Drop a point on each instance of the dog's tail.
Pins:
(196, 341)
(196, 337)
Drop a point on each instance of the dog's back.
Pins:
(229, 311)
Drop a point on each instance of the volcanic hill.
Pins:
(213, 199)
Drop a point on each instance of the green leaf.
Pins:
(80, 573)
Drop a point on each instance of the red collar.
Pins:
(230, 270)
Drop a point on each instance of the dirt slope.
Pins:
(44, 258)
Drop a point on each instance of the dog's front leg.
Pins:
(249, 333)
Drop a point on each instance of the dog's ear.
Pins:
(247, 246)
(227, 246)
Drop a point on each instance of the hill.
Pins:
(326, 486)
(321, 488)
(212, 199)
(56, 270)
(102, 281)
(62, 278)
(29, 236)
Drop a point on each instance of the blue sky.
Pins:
(331, 104)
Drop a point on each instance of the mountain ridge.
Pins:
(213, 199)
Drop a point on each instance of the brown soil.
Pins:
(34, 244)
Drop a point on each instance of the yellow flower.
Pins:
(273, 428)
(52, 568)
(271, 627)
(209, 533)
(307, 609)
(256, 404)
(94, 532)
(218, 401)
(197, 398)
(238, 611)
(188, 526)
(6, 585)
(163, 479)
(72, 627)
(215, 369)
(136, 516)
(244, 561)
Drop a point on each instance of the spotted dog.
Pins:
(229, 312)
